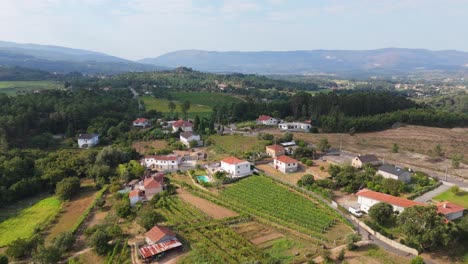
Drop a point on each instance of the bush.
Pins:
(100, 241)
(20, 248)
(341, 255)
(417, 260)
(3, 259)
(307, 179)
(351, 241)
(148, 218)
(321, 168)
(381, 212)
(66, 188)
(309, 163)
(47, 255)
(122, 208)
(64, 242)
(455, 189)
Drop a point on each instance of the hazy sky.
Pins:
(147, 28)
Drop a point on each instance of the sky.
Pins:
(136, 29)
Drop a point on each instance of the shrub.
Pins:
(417, 260)
(309, 163)
(64, 242)
(66, 188)
(381, 212)
(351, 241)
(3, 259)
(321, 168)
(455, 189)
(341, 255)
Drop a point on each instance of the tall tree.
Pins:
(185, 107)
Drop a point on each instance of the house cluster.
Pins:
(159, 240)
(284, 126)
(143, 191)
(368, 198)
(281, 162)
(385, 170)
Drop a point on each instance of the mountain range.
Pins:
(383, 62)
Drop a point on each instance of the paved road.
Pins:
(429, 195)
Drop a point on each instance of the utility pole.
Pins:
(446, 170)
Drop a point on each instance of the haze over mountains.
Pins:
(386, 61)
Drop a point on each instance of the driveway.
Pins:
(429, 195)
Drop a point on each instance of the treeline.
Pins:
(23, 74)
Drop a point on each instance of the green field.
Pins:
(205, 98)
(162, 105)
(23, 225)
(237, 145)
(18, 87)
(461, 198)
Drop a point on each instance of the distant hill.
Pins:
(63, 60)
(344, 62)
(23, 74)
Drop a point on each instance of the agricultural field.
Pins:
(261, 196)
(18, 87)
(236, 145)
(149, 147)
(205, 98)
(24, 224)
(460, 198)
(162, 105)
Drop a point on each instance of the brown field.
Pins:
(302, 170)
(149, 147)
(71, 211)
(211, 209)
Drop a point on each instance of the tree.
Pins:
(100, 241)
(395, 148)
(351, 241)
(47, 255)
(185, 107)
(3, 259)
(308, 179)
(381, 212)
(66, 188)
(148, 218)
(64, 241)
(323, 144)
(417, 260)
(20, 248)
(424, 228)
(455, 189)
(288, 136)
(171, 107)
(122, 208)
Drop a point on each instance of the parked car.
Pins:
(354, 211)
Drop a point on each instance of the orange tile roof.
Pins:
(134, 193)
(264, 118)
(232, 160)
(151, 183)
(182, 123)
(140, 120)
(276, 148)
(386, 198)
(449, 208)
(286, 159)
(158, 232)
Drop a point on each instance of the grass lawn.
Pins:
(23, 225)
(461, 198)
(14, 87)
(237, 144)
(162, 105)
(205, 98)
(15, 208)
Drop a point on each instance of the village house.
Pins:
(136, 196)
(396, 173)
(362, 160)
(368, 198)
(159, 239)
(187, 137)
(267, 120)
(236, 167)
(275, 150)
(450, 210)
(169, 162)
(295, 126)
(152, 187)
(285, 164)
(185, 126)
(141, 122)
(87, 140)
(289, 147)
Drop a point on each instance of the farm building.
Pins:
(295, 126)
(159, 239)
(187, 137)
(169, 162)
(289, 147)
(362, 160)
(152, 186)
(136, 196)
(285, 164)
(183, 125)
(367, 198)
(88, 140)
(275, 150)
(396, 173)
(141, 122)
(450, 210)
(267, 120)
(236, 167)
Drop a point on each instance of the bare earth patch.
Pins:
(266, 238)
(211, 209)
(149, 147)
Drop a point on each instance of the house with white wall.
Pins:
(275, 150)
(236, 167)
(87, 140)
(396, 173)
(169, 162)
(141, 122)
(285, 164)
(187, 137)
(267, 120)
(136, 196)
(368, 198)
(295, 126)
(183, 125)
(450, 210)
(362, 160)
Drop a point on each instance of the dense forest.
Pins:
(23, 74)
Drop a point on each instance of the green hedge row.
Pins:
(88, 210)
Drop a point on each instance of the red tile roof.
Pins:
(158, 232)
(182, 123)
(172, 157)
(134, 193)
(276, 148)
(386, 198)
(264, 118)
(140, 120)
(151, 250)
(232, 160)
(286, 159)
(448, 208)
(151, 183)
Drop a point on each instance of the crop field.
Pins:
(460, 198)
(205, 98)
(162, 105)
(278, 204)
(212, 241)
(237, 144)
(23, 225)
(17, 87)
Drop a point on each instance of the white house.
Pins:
(183, 125)
(285, 164)
(450, 210)
(396, 173)
(170, 162)
(187, 137)
(362, 160)
(141, 122)
(136, 196)
(295, 126)
(267, 120)
(159, 234)
(367, 198)
(88, 140)
(236, 167)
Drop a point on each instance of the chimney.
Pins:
(445, 205)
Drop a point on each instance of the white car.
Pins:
(354, 211)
